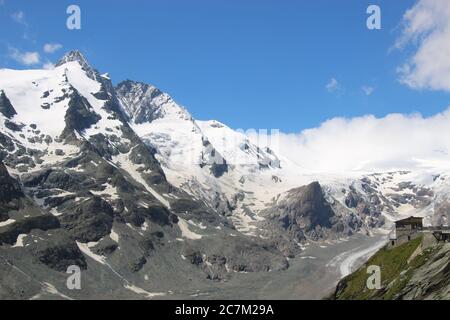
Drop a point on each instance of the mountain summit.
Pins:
(71, 56)
(77, 56)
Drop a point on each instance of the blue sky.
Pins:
(249, 64)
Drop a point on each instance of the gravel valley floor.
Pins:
(313, 275)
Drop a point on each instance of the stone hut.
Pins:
(407, 230)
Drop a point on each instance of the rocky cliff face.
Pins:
(5, 106)
(430, 280)
(303, 214)
(10, 193)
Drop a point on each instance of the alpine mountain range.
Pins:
(149, 202)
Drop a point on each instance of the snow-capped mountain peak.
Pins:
(77, 56)
(74, 55)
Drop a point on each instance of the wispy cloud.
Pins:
(368, 90)
(52, 47)
(426, 29)
(19, 17)
(25, 58)
(332, 85)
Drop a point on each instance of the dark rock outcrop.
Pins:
(218, 170)
(58, 251)
(105, 247)
(6, 107)
(10, 191)
(305, 211)
(309, 209)
(89, 221)
(79, 115)
(44, 222)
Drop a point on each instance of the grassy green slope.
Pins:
(395, 273)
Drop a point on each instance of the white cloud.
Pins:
(52, 47)
(367, 143)
(19, 17)
(332, 85)
(48, 65)
(25, 58)
(368, 90)
(426, 28)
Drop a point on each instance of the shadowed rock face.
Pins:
(10, 192)
(43, 222)
(57, 251)
(149, 110)
(304, 213)
(307, 208)
(219, 170)
(79, 115)
(6, 107)
(90, 221)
